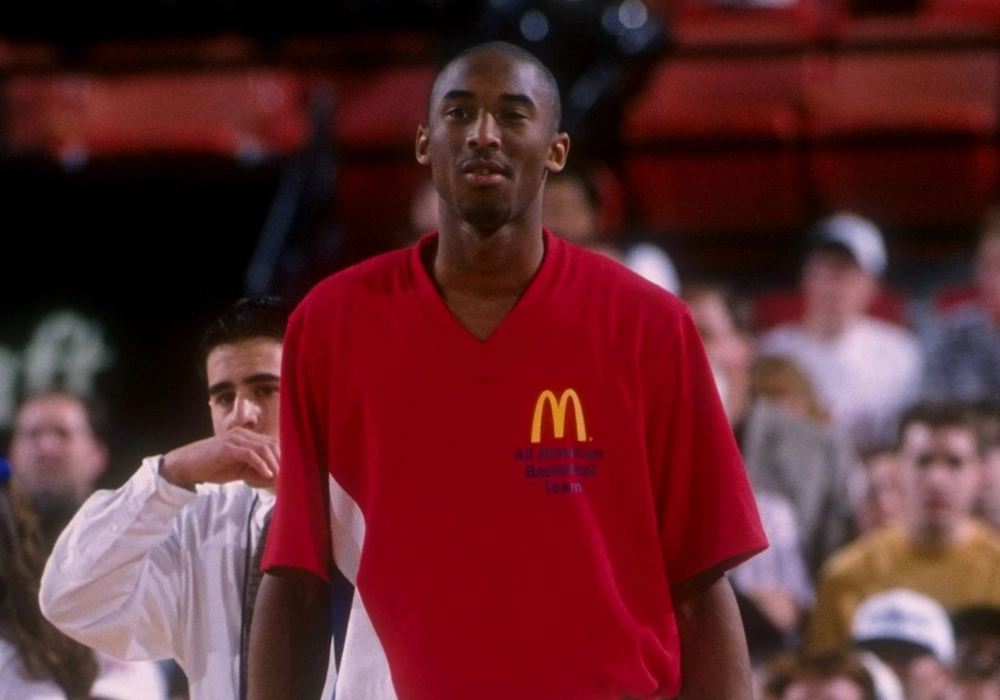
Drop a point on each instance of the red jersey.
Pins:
(512, 511)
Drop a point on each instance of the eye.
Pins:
(458, 113)
(265, 391)
(223, 400)
(514, 116)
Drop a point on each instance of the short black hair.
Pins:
(938, 415)
(261, 316)
(513, 51)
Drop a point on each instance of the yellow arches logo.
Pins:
(557, 407)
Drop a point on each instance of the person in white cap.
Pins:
(865, 370)
(912, 634)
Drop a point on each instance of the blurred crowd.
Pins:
(871, 438)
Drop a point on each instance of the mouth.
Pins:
(483, 172)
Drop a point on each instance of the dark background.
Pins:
(151, 245)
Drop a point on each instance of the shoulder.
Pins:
(880, 332)
(596, 281)
(380, 272)
(985, 539)
(781, 338)
(857, 558)
(968, 319)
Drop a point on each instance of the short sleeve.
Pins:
(707, 512)
(299, 534)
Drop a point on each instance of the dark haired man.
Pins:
(511, 445)
(938, 549)
(159, 567)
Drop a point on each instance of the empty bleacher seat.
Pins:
(711, 144)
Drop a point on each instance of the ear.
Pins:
(423, 146)
(558, 151)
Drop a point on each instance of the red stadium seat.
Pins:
(906, 136)
(708, 24)
(227, 112)
(953, 296)
(711, 144)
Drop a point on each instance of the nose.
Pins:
(245, 413)
(50, 443)
(484, 132)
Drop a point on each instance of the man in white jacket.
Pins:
(161, 567)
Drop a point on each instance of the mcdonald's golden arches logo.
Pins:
(557, 408)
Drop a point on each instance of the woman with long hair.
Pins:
(36, 660)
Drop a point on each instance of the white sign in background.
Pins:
(66, 351)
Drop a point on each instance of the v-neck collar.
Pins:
(452, 329)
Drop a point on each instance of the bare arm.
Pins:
(290, 637)
(715, 664)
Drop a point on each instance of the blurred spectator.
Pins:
(781, 381)
(937, 548)
(912, 634)
(572, 210)
(423, 212)
(773, 589)
(882, 495)
(988, 503)
(963, 343)
(972, 687)
(977, 644)
(727, 342)
(37, 662)
(787, 454)
(56, 455)
(831, 675)
(865, 370)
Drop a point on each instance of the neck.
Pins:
(930, 535)
(487, 264)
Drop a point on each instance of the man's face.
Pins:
(988, 689)
(923, 677)
(53, 449)
(727, 348)
(490, 140)
(941, 474)
(243, 385)
(823, 689)
(834, 286)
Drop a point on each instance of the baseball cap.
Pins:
(904, 619)
(857, 235)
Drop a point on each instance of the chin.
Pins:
(487, 219)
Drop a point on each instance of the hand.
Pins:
(235, 455)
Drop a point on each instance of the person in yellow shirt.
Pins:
(937, 548)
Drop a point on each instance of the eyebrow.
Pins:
(518, 97)
(259, 378)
